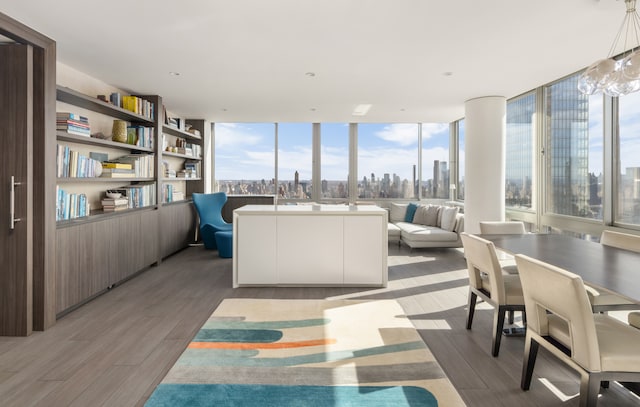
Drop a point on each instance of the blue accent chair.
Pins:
(209, 207)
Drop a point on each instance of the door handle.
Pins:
(12, 202)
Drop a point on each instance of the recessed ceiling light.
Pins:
(403, 109)
(448, 73)
(313, 109)
(361, 110)
(310, 74)
(173, 73)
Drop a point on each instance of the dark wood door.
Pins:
(16, 199)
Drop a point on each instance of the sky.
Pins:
(246, 150)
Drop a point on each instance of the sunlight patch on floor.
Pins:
(556, 391)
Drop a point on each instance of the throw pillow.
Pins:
(397, 212)
(420, 215)
(411, 211)
(449, 218)
(431, 216)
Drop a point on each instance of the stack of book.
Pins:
(114, 204)
(73, 124)
(117, 170)
(141, 165)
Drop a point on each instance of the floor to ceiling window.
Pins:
(334, 158)
(628, 163)
(520, 141)
(294, 160)
(574, 157)
(436, 182)
(387, 160)
(245, 158)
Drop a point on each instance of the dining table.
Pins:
(603, 267)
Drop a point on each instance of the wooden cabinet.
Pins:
(177, 227)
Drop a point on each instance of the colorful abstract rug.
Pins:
(255, 352)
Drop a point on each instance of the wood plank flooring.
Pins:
(114, 350)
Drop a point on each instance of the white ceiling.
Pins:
(246, 60)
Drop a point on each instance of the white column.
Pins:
(484, 178)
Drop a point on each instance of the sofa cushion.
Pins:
(419, 233)
(393, 231)
(449, 218)
(411, 211)
(397, 212)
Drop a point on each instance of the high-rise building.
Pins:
(568, 130)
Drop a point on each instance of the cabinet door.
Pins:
(310, 250)
(82, 264)
(256, 250)
(178, 227)
(364, 250)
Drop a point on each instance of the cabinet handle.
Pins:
(12, 202)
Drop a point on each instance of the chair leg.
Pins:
(530, 354)
(511, 317)
(473, 297)
(524, 318)
(589, 388)
(498, 324)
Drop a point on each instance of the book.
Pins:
(110, 164)
(107, 174)
(114, 201)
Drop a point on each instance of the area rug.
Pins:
(256, 352)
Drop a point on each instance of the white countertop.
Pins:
(310, 209)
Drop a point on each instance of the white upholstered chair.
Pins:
(598, 347)
(601, 301)
(504, 228)
(487, 281)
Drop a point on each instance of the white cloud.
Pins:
(433, 129)
(230, 135)
(402, 134)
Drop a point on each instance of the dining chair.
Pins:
(504, 228)
(603, 301)
(600, 348)
(487, 281)
(209, 207)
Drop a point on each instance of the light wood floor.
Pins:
(114, 350)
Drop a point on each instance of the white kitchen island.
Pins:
(310, 245)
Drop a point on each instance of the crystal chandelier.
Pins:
(617, 77)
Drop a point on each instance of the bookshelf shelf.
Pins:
(183, 156)
(75, 98)
(176, 179)
(101, 179)
(98, 215)
(179, 133)
(92, 141)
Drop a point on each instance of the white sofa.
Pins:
(430, 225)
